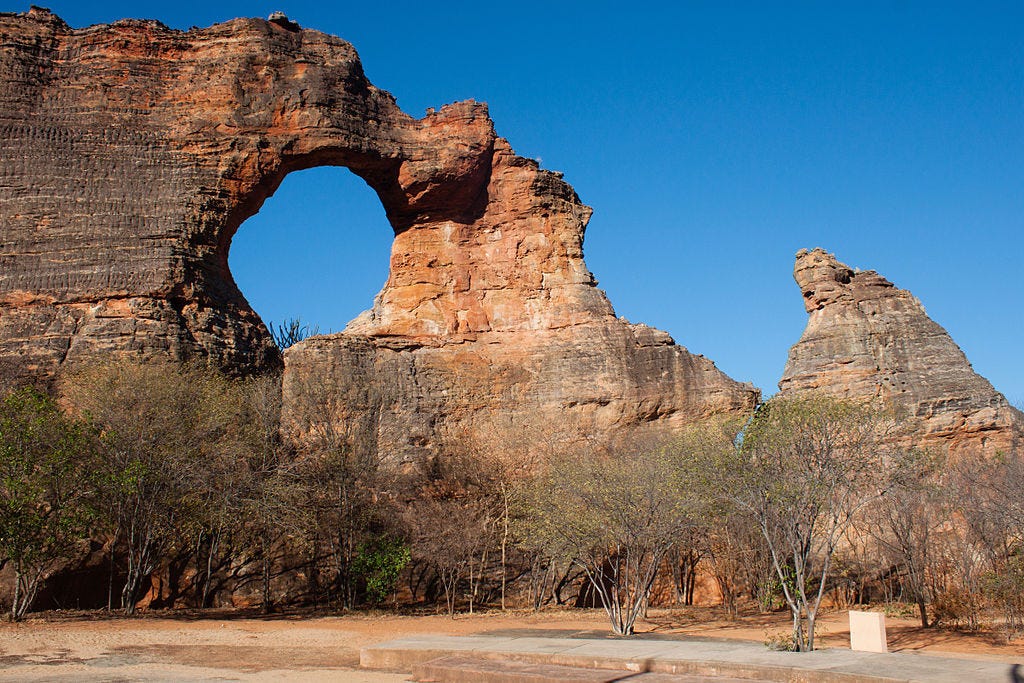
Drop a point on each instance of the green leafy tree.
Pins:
(617, 516)
(379, 562)
(804, 470)
(45, 489)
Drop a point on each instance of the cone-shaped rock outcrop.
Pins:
(130, 154)
(867, 339)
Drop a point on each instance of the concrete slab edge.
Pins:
(384, 658)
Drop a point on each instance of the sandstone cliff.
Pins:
(865, 338)
(131, 153)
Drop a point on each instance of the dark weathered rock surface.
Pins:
(595, 378)
(131, 153)
(865, 338)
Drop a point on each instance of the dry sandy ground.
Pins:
(232, 646)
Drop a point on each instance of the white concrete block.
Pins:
(867, 632)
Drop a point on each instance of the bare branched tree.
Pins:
(162, 425)
(907, 520)
(986, 541)
(272, 491)
(351, 492)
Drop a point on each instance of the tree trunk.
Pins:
(472, 584)
(449, 579)
(267, 604)
(128, 592)
(214, 546)
(17, 592)
(504, 544)
(110, 575)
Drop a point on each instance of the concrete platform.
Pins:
(691, 657)
(462, 669)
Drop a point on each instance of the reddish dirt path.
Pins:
(300, 646)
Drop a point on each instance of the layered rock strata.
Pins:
(867, 339)
(131, 153)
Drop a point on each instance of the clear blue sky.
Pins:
(713, 139)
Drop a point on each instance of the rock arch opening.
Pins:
(318, 250)
(488, 298)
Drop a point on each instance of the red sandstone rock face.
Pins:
(865, 338)
(131, 153)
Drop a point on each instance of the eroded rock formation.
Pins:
(865, 338)
(131, 153)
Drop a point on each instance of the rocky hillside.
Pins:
(866, 338)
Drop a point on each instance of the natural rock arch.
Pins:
(317, 252)
(137, 151)
(164, 142)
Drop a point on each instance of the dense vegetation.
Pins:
(181, 487)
